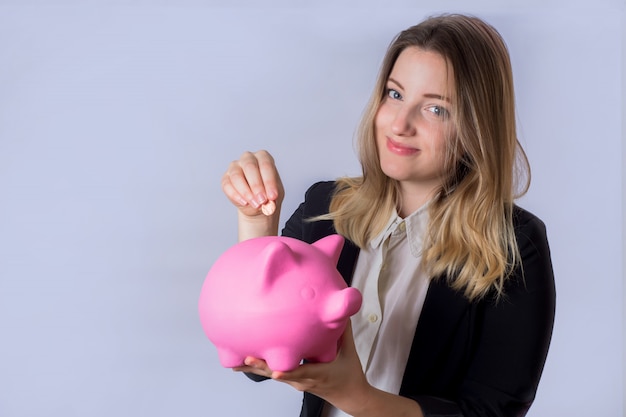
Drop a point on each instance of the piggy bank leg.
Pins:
(280, 359)
(228, 358)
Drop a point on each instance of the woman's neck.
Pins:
(414, 196)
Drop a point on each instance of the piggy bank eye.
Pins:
(307, 293)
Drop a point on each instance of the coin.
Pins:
(268, 208)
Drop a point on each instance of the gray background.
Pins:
(117, 120)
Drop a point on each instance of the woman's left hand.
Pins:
(340, 382)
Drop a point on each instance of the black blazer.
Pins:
(466, 359)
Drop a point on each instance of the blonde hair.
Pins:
(470, 239)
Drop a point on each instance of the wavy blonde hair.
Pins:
(470, 238)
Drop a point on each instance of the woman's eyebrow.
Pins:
(438, 97)
(427, 95)
(395, 82)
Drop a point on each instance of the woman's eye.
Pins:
(391, 93)
(439, 111)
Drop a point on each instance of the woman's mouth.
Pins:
(399, 149)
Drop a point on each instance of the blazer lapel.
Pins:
(435, 343)
(347, 261)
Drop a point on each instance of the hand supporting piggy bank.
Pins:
(277, 299)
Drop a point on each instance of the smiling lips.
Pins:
(400, 149)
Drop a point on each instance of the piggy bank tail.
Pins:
(341, 305)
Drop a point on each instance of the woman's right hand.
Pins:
(249, 183)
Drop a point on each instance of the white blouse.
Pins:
(390, 276)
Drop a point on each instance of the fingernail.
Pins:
(260, 198)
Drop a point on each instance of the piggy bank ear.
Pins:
(331, 246)
(276, 258)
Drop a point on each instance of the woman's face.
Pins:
(414, 120)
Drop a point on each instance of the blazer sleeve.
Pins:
(512, 337)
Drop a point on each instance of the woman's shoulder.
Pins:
(329, 188)
(532, 241)
(316, 203)
(525, 223)
(321, 188)
(317, 197)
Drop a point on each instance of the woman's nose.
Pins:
(403, 123)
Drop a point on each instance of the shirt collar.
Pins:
(414, 226)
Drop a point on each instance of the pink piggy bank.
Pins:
(277, 299)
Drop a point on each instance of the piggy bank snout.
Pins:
(340, 306)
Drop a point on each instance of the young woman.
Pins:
(457, 280)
